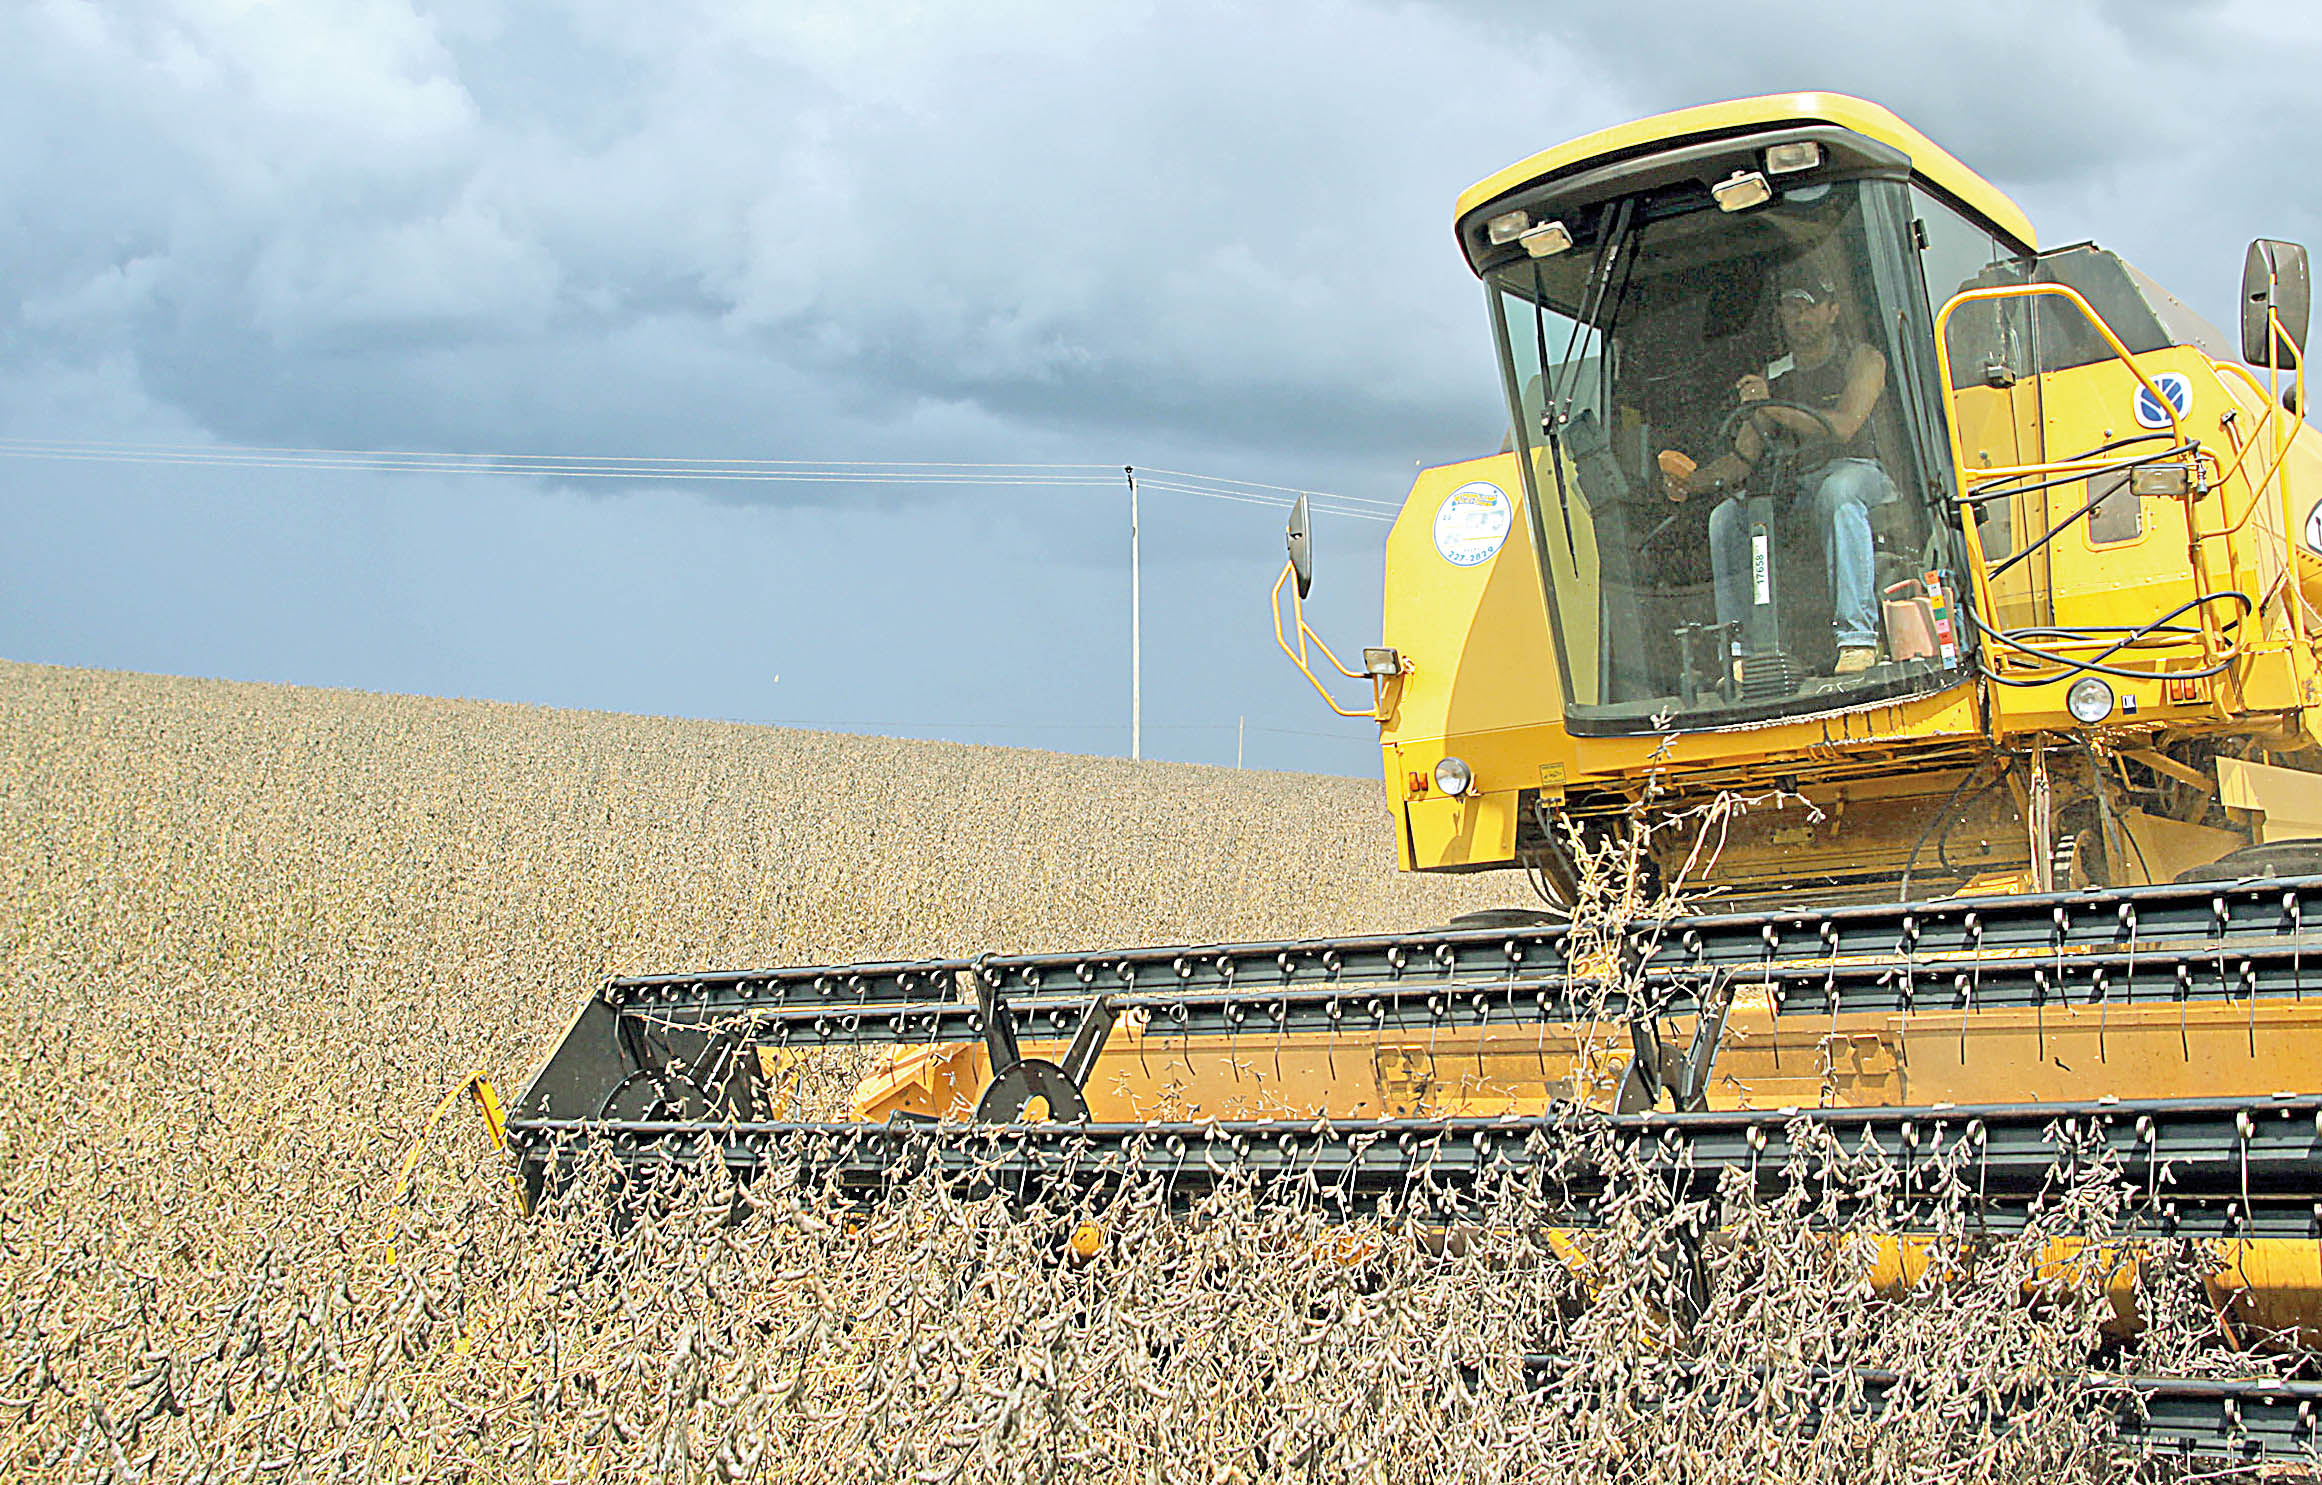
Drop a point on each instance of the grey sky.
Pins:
(1204, 237)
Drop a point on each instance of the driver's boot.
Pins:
(1855, 659)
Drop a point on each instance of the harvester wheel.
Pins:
(2275, 858)
(1014, 1089)
(1509, 917)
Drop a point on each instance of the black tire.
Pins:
(1510, 917)
(2279, 858)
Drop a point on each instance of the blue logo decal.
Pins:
(2177, 388)
(1472, 522)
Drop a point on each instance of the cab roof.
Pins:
(1929, 160)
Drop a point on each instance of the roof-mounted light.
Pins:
(1546, 240)
(1797, 155)
(1504, 228)
(1742, 190)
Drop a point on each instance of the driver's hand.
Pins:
(1676, 473)
(1753, 389)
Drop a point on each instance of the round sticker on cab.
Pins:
(1472, 522)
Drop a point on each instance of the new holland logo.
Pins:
(2176, 387)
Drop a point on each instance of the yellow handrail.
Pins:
(1981, 575)
(2258, 483)
(2279, 433)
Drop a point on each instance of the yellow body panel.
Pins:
(2057, 1055)
(2228, 538)
(1941, 168)
(2287, 803)
(2268, 1292)
(1476, 637)
(1450, 832)
(1500, 699)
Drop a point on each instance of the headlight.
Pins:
(2089, 701)
(1454, 777)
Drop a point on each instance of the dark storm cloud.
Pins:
(1014, 231)
(966, 231)
(1203, 235)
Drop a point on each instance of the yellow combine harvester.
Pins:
(1928, 614)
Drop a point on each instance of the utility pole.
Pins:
(1241, 729)
(1136, 627)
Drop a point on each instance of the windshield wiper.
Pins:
(1560, 388)
(1548, 401)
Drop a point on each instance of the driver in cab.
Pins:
(1819, 399)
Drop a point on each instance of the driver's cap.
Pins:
(1806, 282)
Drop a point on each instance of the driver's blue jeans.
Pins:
(1842, 497)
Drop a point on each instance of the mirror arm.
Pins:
(1298, 656)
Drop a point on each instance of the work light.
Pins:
(1505, 227)
(1798, 154)
(1742, 190)
(2089, 701)
(1546, 240)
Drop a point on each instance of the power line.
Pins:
(201, 448)
(1243, 498)
(687, 470)
(1391, 505)
(886, 728)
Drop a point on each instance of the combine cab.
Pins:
(1888, 649)
(1849, 547)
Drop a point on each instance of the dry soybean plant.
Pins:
(782, 1334)
(250, 935)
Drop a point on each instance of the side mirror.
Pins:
(2273, 277)
(1302, 546)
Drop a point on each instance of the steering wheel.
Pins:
(1803, 451)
